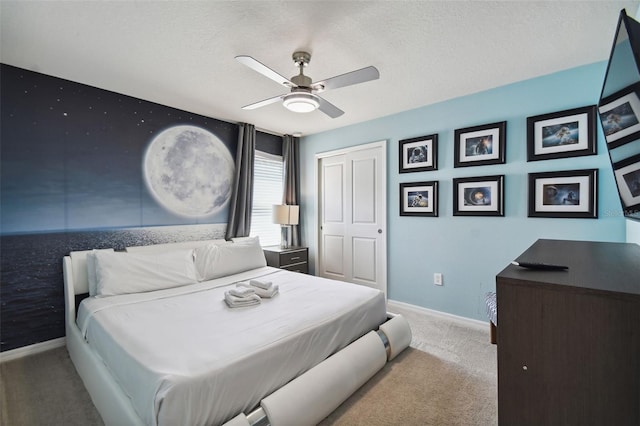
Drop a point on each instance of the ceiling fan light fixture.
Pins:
(301, 102)
(302, 96)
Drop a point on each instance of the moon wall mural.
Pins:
(73, 177)
(189, 171)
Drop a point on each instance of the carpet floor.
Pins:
(447, 377)
(45, 390)
(418, 389)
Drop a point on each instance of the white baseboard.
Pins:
(426, 311)
(32, 349)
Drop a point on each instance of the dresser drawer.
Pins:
(289, 258)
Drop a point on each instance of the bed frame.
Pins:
(305, 400)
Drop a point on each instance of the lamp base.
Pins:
(284, 236)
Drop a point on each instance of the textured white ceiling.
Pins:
(181, 53)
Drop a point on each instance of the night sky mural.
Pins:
(84, 168)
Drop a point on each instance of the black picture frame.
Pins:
(419, 198)
(627, 175)
(478, 196)
(480, 145)
(418, 154)
(564, 194)
(562, 134)
(620, 116)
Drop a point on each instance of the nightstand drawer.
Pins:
(297, 267)
(288, 258)
(292, 259)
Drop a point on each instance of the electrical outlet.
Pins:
(437, 278)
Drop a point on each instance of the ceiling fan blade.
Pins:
(263, 102)
(328, 108)
(348, 79)
(264, 70)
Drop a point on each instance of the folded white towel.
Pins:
(265, 294)
(242, 291)
(265, 285)
(239, 302)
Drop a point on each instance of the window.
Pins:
(267, 191)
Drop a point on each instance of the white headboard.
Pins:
(77, 275)
(76, 279)
(156, 248)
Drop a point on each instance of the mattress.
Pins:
(184, 357)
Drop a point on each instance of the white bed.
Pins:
(180, 355)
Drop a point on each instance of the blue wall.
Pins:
(470, 251)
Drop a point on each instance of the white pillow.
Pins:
(122, 273)
(82, 270)
(91, 271)
(213, 261)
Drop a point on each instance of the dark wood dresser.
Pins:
(569, 341)
(294, 259)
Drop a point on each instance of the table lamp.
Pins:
(285, 216)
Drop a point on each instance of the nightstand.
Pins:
(292, 259)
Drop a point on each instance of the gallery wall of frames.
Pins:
(554, 194)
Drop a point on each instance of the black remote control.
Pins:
(538, 265)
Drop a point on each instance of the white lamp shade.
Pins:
(286, 215)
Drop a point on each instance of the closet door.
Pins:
(352, 215)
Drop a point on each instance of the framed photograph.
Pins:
(480, 145)
(419, 154)
(569, 133)
(620, 116)
(627, 174)
(419, 199)
(568, 194)
(478, 196)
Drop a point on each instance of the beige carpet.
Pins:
(44, 390)
(419, 389)
(447, 377)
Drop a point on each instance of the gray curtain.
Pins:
(291, 194)
(239, 222)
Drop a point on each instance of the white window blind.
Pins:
(267, 191)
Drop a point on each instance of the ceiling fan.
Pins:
(303, 95)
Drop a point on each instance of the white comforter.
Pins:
(185, 358)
